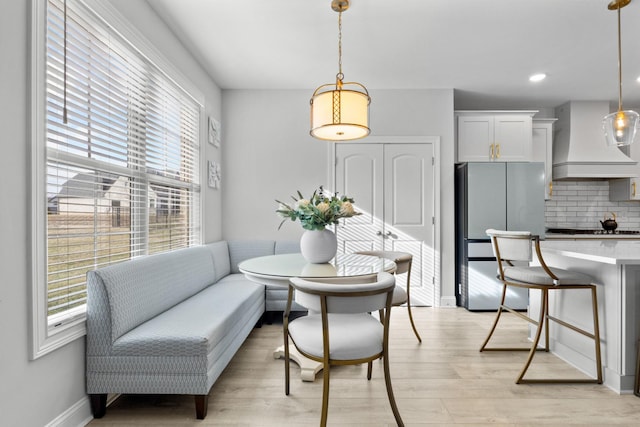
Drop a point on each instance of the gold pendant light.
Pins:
(340, 111)
(620, 127)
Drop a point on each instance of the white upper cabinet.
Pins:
(494, 136)
(625, 189)
(542, 149)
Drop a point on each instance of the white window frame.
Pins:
(50, 333)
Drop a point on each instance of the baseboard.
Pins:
(78, 415)
(447, 301)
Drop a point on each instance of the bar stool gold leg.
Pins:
(636, 388)
(543, 321)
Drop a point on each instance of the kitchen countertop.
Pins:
(608, 251)
(567, 236)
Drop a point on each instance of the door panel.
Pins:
(359, 175)
(486, 198)
(409, 211)
(525, 197)
(485, 290)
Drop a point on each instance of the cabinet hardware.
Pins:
(633, 187)
(497, 151)
(550, 188)
(379, 233)
(491, 152)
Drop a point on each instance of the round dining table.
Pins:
(278, 269)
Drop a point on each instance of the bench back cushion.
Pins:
(287, 247)
(240, 250)
(220, 252)
(144, 287)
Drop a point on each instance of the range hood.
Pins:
(579, 148)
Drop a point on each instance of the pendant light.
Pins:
(340, 111)
(620, 127)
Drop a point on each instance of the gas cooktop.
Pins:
(586, 231)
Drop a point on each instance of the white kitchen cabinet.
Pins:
(500, 136)
(622, 189)
(542, 149)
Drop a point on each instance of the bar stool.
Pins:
(403, 262)
(515, 246)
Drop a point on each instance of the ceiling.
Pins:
(484, 49)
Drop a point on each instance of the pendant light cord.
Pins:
(339, 76)
(619, 63)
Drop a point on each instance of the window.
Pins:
(116, 160)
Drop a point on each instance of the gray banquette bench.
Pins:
(170, 323)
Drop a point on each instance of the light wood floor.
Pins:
(443, 381)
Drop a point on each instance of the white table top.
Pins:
(605, 251)
(294, 265)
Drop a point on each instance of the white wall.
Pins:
(268, 154)
(35, 393)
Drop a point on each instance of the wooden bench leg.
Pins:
(98, 405)
(202, 403)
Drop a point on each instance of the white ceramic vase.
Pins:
(318, 246)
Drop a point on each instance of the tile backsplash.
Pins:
(582, 204)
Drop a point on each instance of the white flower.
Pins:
(347, 208)
(282, 210)
(323, 207)
(302, 203)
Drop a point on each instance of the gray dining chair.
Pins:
(339, 329)
(403, 261)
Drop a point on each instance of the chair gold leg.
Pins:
(596, 334)
(546, 325)
(413, 325)
(497, 318)
(636, 388)
(325, 394)
(369, 370)
(534, 345)
(392, 400)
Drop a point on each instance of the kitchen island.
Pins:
(615, 265)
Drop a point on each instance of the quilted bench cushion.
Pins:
(195, 327)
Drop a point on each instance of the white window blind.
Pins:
(122, 171)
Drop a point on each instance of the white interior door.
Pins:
(393, 186)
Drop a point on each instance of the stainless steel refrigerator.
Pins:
(504, 196)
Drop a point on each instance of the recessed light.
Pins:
(537, 77)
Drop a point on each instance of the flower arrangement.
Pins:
(318, 211)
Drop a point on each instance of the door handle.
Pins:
(633, 186)
(497, 151)
(379, 233)
(491, 152)
(550, 188)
